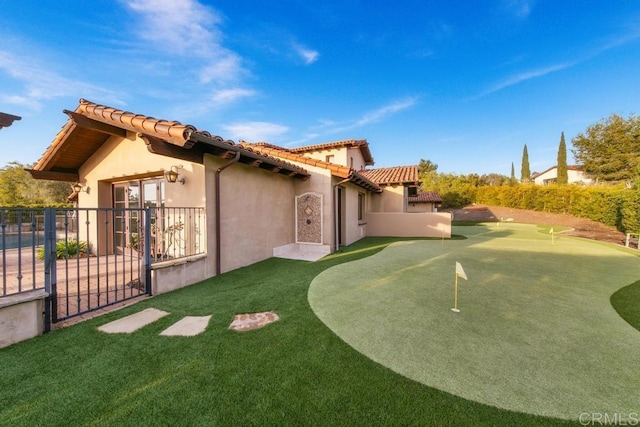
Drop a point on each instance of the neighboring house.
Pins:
(426, 201)
(550, 176)
(258, 200)
(7, 120)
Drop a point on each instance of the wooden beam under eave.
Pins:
(87, 123)
(162, 148)
(270, 167)
(54, 176)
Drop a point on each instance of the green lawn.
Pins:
(537, 332)
(295, 371)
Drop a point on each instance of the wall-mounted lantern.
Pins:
(172, 175)
(79, 188)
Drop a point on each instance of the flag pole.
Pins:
(455, 296)
(459, 273)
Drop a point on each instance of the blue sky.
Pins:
(464, 84)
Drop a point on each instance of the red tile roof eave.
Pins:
(7, 120)
(172, 132)
(362, 144)
(425, 197)
(55, 145)
(398, 175)
(343, 172)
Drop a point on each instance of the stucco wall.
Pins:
(121, 159)
(342, 156)
(354, 231)
(358, 160)
(339, 155)
(409, 224)
(257, 212)
(392, 199)
(420, 207)
(21, 317)
(171, 275)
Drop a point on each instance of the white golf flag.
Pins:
(460, 272)
(551, 231)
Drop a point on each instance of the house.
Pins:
(7, 120)
(252, 201)
(550, 176)
(424, 201)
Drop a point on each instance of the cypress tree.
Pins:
(525, 172)
(512, 180)
(563, 174)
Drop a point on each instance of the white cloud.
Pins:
(309, 56)
(226, 69)
(188, 28)
(302, 141)
(255, 131)
(519, 8)
(522, 77)
(40, 84)
(184, 26)
(383, 112)
(541, 72)
(228, 96)
(370, 117)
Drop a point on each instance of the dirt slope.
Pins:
(581, 227)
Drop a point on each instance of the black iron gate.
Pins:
(87, 266)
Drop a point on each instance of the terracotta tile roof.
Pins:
(265, 144)
(362, 144)
(90, 125)
(395, 175)
(344, 172)
(425, 197)
(7, 120)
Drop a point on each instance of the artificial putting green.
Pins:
(536, 333)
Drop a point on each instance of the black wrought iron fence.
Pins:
(177, 233)
(88, 258)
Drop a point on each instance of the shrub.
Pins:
(66, 249)
(617, 207)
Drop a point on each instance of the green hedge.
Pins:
(616, 207)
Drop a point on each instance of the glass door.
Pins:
(125, 197)
(128, 199)
(153, 198)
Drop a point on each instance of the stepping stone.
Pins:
(187, 327)
(133, 322)
(250, 321)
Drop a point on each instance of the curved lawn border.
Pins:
(626, 302)
(537, 332)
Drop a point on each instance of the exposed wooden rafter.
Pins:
(158, 146)
(54, 176)
(87, 123)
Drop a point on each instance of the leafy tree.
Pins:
(563, 174)
(525, 172)
(494, 179)
(610, 149)
(427, 166)
(428, 174)
(512, 180)
(19, 188)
